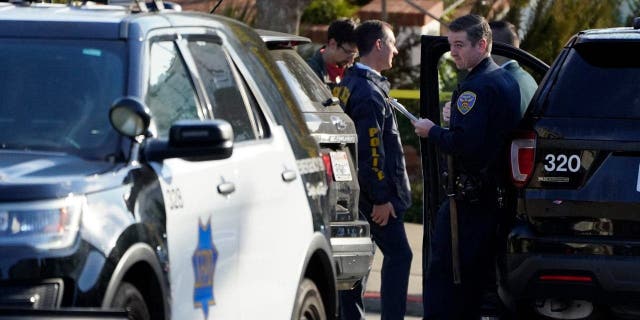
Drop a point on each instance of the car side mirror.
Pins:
(130, 117)
(192, 140)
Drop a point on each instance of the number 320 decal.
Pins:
(561, 163)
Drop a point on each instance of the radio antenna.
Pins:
(216, 6)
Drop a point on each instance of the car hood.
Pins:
(39, 175)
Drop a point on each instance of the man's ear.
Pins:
(378, 44)
(482, 44)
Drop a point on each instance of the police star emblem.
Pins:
(204, 263)
(466, 101)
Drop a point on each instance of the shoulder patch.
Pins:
(466, 101)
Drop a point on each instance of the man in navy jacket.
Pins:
(384, 185)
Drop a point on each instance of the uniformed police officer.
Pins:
(384, 185)
(485, 108)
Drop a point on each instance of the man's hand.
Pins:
(381, 213)
(423, 126)
(446, 111)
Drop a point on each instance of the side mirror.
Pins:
(193, 140)
(130, 117)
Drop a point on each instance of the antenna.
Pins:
(216, 6)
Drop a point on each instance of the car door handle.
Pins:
(226, 188)
(289, 175)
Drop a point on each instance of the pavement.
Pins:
(414, 292)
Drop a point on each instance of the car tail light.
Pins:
(326, 159)
(522, 156)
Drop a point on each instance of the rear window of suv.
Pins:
(308, 89)
(598, 80)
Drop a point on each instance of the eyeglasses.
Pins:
(349, 52)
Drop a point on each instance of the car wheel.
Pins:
(548, 309)
(309, 304)
(128, 297)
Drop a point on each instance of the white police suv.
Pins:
(151, 167)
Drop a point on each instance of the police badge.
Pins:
(465, 102)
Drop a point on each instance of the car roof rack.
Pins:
(141, 5)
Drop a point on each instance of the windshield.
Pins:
(55, 95)
(598, 80)
(308, 89)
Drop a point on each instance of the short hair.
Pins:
(342, 31)
(368, 32)
(504, 32)
(476, 28)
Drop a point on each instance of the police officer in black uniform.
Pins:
(485, 108)
(384, 185)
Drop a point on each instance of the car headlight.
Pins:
(50, 224)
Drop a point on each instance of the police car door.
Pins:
(438, 78)
(200, 197)
(231, 254)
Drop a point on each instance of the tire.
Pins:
(128, 297)
(308, 304)
(529, 311)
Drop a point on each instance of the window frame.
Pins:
(257, 118)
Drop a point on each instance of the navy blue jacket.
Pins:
(485, 108)
(382, 173)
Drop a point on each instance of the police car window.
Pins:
(171, 95)
(227, 100)
(595, 83)
(56, 95)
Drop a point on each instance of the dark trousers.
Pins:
(477, 223)
(396, 265)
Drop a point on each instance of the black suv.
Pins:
(149, 162)
(573, 251)
(336, 134)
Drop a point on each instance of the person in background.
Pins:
(485, 109)
(340, 51)
(385, 194)
(505, 32)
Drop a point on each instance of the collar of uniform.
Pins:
(363, 66)
(369, 72)
(511, 64)
(364, 71)
(481, 66)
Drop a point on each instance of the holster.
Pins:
(468, 187)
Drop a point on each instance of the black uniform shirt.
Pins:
(485, 108)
